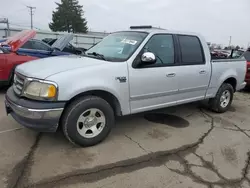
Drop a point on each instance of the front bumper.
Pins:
(37, 115)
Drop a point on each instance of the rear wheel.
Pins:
(223, 99)
(88, 121)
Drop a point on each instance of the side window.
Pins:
(40, 46)
(68, 48)
(27, 45)
(163, 47)
(191, 50)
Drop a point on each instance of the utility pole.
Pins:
(230, 40)
(31, 15)
(5, 20)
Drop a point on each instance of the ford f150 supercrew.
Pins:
(128, 72)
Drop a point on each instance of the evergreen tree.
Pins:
(68, 16)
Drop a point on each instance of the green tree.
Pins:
(69, 16)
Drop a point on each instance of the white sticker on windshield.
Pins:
(127, 41)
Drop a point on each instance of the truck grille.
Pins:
(18, 83)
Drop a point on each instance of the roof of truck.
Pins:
(156, 30)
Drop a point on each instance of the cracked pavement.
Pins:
(182, 147)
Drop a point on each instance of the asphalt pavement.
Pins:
(181, 147)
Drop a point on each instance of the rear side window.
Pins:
(40, 46)
(191, 50)
(27, 45)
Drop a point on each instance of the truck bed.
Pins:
(222, 69)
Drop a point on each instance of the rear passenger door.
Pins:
(194, 71)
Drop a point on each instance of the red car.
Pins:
(247, 57)
(9, 58)
(248, 74)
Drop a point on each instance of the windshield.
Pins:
(118, 46)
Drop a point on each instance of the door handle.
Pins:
(202, 72)
(171, 75)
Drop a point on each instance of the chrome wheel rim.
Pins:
(91, 123)
(225, 99)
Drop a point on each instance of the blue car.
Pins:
(40, 49)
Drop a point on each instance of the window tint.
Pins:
(191, 50)
(40, 46)
(163, 47)
(27, 45)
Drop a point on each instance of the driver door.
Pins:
(155, 86)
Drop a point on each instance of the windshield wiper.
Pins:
(97, 55)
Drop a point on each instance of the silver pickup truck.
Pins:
(127, 72)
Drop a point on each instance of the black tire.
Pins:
(215, 104)
(73, 112)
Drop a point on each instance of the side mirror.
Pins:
(148, 57)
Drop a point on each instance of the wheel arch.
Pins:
(232, 81)
(109, 97)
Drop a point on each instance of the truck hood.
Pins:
(16, 41)
(61, 43)
(43, 68)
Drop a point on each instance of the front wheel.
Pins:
(88, 121)
(223, 99)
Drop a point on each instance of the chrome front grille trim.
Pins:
(18, 83)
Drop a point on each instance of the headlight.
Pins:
(41, 90)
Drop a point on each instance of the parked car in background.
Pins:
(237, 53)
(2, 40)
(37, 48)
(220, 54)
(126, 73)
(69, 47)
(227, 54)
(247, 57)
(9, 58)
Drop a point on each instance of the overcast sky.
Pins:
(217, 20)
